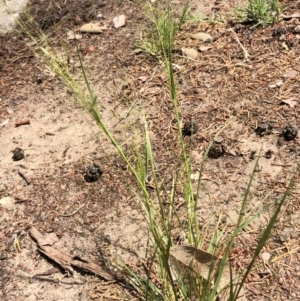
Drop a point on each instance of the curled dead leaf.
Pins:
(191, 262)
(90, 28)
(276, 85)
(143, 78)
(291, 102)
(203, 48)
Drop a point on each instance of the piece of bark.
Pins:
(67, 262)
(22, 122)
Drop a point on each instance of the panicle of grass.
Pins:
(160, 42)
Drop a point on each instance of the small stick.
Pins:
(68, 215)
(23, 177)
(246, 54)
(48, 272)
(22, 122)
(65, 151)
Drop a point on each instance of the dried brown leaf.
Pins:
(207, 266)
(91, 28)
(203, 48)
(190, 52)
(291, 102)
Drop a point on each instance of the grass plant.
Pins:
(160, 41)
(216, 18)
(260, 12)
(161, 218)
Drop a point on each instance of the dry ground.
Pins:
(61, 141)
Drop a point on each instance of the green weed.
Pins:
(160, 41)
(216, 19)
(260, 12)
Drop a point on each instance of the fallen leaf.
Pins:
(137, 51)
(276, 85)
(71, 35)
(231, 152)
(92, 48)
(143, 78)
(265, 257)
(190, 52)
(291, 102)
(119, 21)
(178, 67)
(283, 45)
(202, 36)
(192, 262)
(204, 48)
(91, 28)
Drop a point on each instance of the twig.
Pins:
(22, 122)
(246, 54)
(23, 177)
(48, 272)
(65, 151)
(211, 180)
(68, 215)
